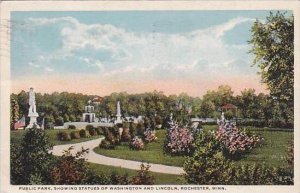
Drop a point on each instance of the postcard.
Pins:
(149, 96)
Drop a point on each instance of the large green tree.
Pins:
(14, 112)
(273, 46)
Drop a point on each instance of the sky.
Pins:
(133, 51)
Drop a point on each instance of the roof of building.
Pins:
(229, 106)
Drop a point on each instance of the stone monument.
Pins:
(118, 115)
(32, 114)
(89, 115)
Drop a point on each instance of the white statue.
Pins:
(223, 117)
(32, 114)
(118, 115)
(171, 116)
(32, 104)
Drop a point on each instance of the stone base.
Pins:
(32, 122)
(31, 126)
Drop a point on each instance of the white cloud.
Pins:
(222, 29)
(34, 65)
(48, 69)
(124, 51)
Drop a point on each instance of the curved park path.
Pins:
(104, 160)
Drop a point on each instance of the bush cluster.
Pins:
(140, 128)
(143, 177)
(179, 140)
(209, 166)
(149, 135)
(126, 136)
(83, 133)
(30, 161)
(72, 127)
(73, 170)
(235, 141)
(63, 136)
(75, 135)
(112, 137)
(99, 131)
(136, 143)
(92, 131)
(105, 144)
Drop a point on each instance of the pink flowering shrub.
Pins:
(179, 140)
(234, 140)
(136, 143)
(149, 135)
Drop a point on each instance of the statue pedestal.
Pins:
(32, 122)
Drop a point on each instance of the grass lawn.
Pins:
(16, 137)
(153, 152)
(160, 178)
(271, 152)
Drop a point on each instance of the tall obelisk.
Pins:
(118, 115)
(32, 114)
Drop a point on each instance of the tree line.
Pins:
(57, 108)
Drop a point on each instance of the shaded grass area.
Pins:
(160, 178)
(16, 137)
(153, 152)
(272, 151)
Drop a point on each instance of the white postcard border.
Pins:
(7, 7)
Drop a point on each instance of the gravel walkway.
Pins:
(104, 160)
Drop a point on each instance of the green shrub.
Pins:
(158, 120)
(59, 121)
(88, 127)
(75, 135)
(72, 127)
(126, 137)
(136, 143)
(208, 165)
(140, 128)
(111, 138)
(99, 131)
(143, 177)
(30, 162)
(50, 125)
(63, 136)
(105, 144)
(126, 125)
(73, 170)
(104, 130)
(84, 133)
(115, 131)
(132, 129)
(72, 118)
(119, 179)
(147, 122)
(255, 174)
(66, 118)
(91, 130)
